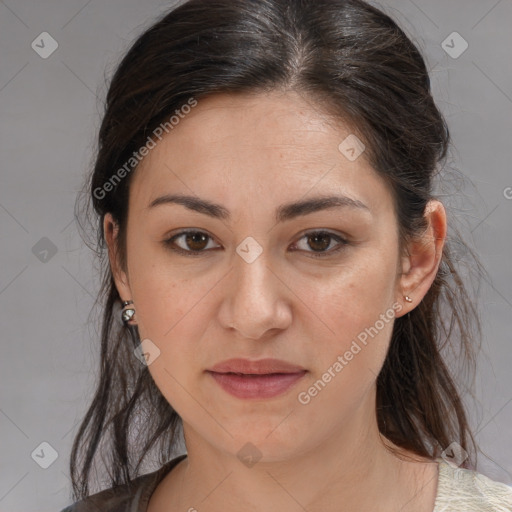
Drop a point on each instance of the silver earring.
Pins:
(127, 319)
(407, 298)
(127, 312)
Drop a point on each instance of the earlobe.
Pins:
(110, 230)
(420, 266)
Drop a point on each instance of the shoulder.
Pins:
(115, 499)
(133, 496)
(468, 490)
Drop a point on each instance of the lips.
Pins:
(260, 367)
(263, 379)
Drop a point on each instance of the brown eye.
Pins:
(192, 242)
(196, 241)
(320, 241)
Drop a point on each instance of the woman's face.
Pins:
(260, 284)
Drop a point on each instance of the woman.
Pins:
(279, 262)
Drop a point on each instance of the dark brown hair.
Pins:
(352, 61)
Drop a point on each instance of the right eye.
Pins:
(193, 242)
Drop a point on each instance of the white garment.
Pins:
(464, 490)
(458, 490)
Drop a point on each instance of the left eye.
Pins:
(196, 242)
(321, 240)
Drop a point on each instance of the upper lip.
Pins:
(260, 367)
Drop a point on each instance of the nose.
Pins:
(256, 300)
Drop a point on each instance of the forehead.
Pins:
(267, 144)
(278, 122)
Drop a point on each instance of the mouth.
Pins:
(256, 385)
(256, 367)
(255, 374)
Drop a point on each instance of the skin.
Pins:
(251, 154)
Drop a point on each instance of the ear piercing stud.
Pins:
(128, 312)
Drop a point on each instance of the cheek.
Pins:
(345, 368)
(351, 297)
(161, 294)
(351, 316)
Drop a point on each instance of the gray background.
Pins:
(49, 117)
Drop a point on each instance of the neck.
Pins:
(352, 467)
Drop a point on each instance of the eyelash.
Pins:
(342, 243)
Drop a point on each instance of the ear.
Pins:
(422, 260)
(111, 230)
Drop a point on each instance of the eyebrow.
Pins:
(285, 212)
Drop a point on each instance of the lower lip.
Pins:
(259, 386)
